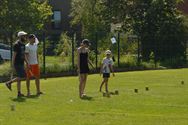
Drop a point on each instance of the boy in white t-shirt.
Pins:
(33, 69)
(106, 68)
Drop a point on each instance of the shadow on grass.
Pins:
(19, 99)
(112, 93)
(87, 98)
(23, 99)
(33, 96)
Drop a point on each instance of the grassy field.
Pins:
(166, 102)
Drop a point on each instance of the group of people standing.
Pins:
(27, 55)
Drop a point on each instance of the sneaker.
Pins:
(83, 96)
(20, 95)
(28, 94)
(39, 93)
(8, 85)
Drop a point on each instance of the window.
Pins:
(56, 22)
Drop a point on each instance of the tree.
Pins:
(161, 29)
(87, 13)
(64, 45)
(27, 15)
(158, 23)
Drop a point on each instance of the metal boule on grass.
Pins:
(182, 82)
(104, 94)
(108, 95)
(147, 88)
(12, 107)
(116, 92)
(136, 90)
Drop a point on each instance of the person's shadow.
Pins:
(19, 99)
(87, 98)
(23, 99)
(33, 96)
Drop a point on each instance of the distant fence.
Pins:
(126, 48)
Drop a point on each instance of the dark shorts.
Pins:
(20, 71)
(106, 75)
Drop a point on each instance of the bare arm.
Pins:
(13, 59)
(78, 60)
(27, 59)
(38, 58)
(101, 68)
(112, 69)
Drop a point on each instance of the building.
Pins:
(60, 19)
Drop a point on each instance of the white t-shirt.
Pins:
(106, 65)
(32, 53)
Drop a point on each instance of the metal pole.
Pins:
(11, 49)
(96, 50)
(155, 55)
(73, 40)
(118, 49)
(138, 50)
(44, 54)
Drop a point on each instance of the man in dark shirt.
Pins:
(18, 61)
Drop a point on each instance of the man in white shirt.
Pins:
(33, 69)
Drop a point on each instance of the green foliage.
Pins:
(160, 27)
(87, 14)
(27, 15)
(64, 47)
(58, 68)
(5, 69)
(158, 23)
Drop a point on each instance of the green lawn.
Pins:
(166, 103)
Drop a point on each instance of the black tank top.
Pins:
(84, 68)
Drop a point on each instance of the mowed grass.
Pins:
(166, 102)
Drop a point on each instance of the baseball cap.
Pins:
(108, 52)
(31, 36)
(21, 33)
(86, 41)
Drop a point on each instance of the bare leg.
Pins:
(84, 83)
(12, 80)
(8, 84)
(19, 87)
(28, 86)
(102, 85)
(106, 85)
(81, 85)
(37, 82)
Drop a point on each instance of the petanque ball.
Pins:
(136, 90)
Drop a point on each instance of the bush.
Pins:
(64, 45)
(5, 69)
(174, 62)
(57, 68)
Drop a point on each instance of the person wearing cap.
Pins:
(33, 69)
(18, 60)
(106, 68)
(82, 65)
